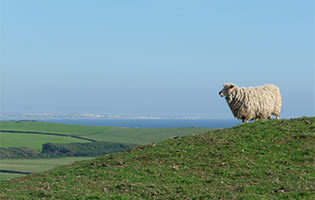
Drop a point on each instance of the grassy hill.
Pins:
(262, 160)
(28, 140)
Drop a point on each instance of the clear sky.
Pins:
(159, 57)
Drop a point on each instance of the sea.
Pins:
(152, 123)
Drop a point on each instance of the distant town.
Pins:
(39, 116)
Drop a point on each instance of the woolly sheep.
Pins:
(253, 103)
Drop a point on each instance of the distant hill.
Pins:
(261, 160)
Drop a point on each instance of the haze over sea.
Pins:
(152, 123)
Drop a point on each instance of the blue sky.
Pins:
(165, 58)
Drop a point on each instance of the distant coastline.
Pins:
(75, 116)
(153, 123)
(120, 120)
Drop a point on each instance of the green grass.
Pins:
(144, 135)
(7, 176)
(32, 141)
(34, 165)
(108, 134)
(261, 160)
(48, 127)
(103, 133)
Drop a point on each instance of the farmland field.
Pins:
(143, 135)
(7, 176)
(32, 141)
(52, 127)
(103, 133)
(34, 165)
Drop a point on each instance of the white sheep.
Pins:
(253, 103)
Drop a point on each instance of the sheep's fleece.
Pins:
(253, 102)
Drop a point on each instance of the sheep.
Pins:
(253, 103)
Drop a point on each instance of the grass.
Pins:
(261, 160)
(7, 176)
(144, 135)
(99, 133)
(48, 127)
(34, 165)
(32, 141)
(102, 133)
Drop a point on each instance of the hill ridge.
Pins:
(260, 160)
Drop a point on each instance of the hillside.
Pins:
(262, 160)
(40, 140)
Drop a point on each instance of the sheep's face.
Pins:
(227, 89)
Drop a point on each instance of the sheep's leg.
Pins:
(278, 117)
(244, 121)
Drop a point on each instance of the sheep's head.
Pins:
(227, 89)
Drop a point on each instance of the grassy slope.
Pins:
(32, 141)
(261, 160)
(99, 133)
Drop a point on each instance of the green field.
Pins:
(144, 135)
(100, 133)
(7, 176)
(34, 165)
(32, 141)
(272, 159)
(48, 127)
